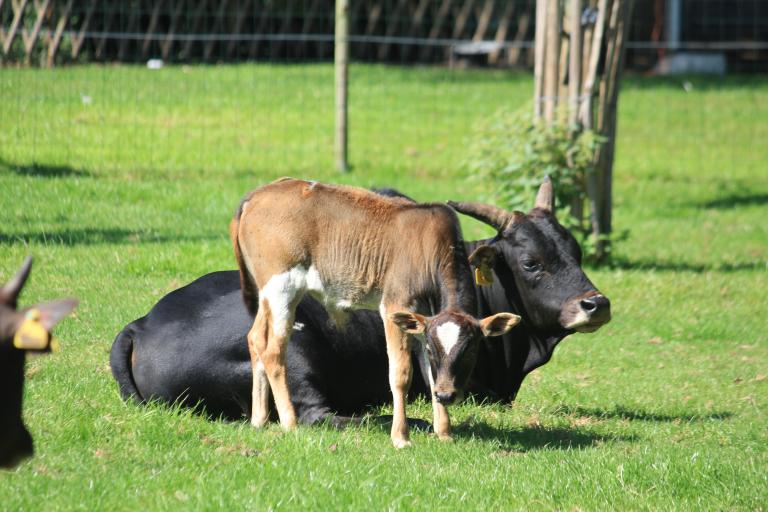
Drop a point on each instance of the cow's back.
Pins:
(191, 348)
(192, 345)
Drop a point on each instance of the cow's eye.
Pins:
(531, 266)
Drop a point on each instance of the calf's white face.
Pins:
(451, 340)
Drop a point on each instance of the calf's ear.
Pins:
(498, 324)
(412, 323)
(482, 259)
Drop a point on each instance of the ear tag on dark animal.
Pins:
(483, 275)
(31, 335)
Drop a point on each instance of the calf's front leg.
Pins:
(400, 371)
(441, 422)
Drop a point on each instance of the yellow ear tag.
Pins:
(483, 277)
(31, 335)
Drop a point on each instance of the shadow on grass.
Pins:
(97, 236)
(42, 170)
(537, 437)
(682, 266)
(625, 413)
(736, 201)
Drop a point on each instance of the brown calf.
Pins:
(351, 248)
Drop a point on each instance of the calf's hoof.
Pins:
(258, 422)
(401, 443)
(446, 438)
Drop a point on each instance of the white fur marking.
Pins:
(448, 334)
(298, 326)
(581, 318)
(280, 292)
(426, 364)
(314, 283)
(344, 304)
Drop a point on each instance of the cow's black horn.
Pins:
(10, 292)
(491, 215)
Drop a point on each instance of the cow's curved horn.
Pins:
(10, 292)
(491, 215)
(545, 198)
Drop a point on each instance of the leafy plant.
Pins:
(513, 154)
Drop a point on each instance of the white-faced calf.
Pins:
(21, 331)
(351, 248)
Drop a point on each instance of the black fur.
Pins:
(192, 345)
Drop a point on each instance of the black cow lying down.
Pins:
(191, 347)
(21, 331)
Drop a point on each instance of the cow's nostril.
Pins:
(445, 398)
(596, 306)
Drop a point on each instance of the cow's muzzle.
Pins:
(586, 313)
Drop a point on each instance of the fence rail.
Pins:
(51, 31)
(500, 32)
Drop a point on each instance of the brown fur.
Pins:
(347, 248)
(246, 284)
(368, 250)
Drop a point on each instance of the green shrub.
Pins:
(512, 154)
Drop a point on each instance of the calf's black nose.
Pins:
(445, 398)
(596, 305)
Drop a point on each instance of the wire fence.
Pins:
(278, 95)
(491, 32)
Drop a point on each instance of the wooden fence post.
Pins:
(341, 62)
(538, 64)
(575, 58)
(552, 60)
(574, 65)
(606, 122)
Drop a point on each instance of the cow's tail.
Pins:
(250, 295)
(120, 361)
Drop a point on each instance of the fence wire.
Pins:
(132, 90)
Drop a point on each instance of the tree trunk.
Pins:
(585, 65)
(341, 58)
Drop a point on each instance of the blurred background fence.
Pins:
(270, 103)
(490, 32)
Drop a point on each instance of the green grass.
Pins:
(121, 182)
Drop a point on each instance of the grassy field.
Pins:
(121, 182)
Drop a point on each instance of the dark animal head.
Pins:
(545, 262)
(21, 331)
(452, 339)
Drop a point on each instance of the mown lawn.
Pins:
(121, 182)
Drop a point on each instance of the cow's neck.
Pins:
(503, 363)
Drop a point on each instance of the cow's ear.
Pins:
(412, 323)
(33, 331)
(482, 259)
(498, 324)
(51, 313)
(545, 198)
(9, 293)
